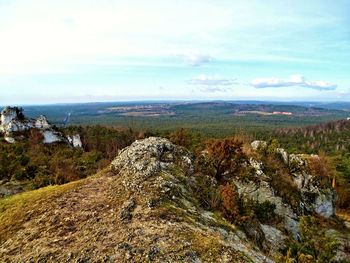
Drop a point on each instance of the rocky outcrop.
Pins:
(42, 123)
(75, 141)
(159, 176)
(13, 120)
(313, 197)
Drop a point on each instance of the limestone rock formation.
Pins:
(42, 123)
(13, 120)
(75, 141)
(313, 197)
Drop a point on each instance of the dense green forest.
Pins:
(217, 120)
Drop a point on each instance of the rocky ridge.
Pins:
(143, 209)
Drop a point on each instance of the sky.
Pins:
(62, 51)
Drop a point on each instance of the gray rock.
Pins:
(145, 158)
(324, 205)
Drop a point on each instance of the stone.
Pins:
(13, 120)
(42, 123)
(127, 208)
(75, 141)
(274, 236)
(258, 144)
(324, 205)
(51, 136)
(284, 155)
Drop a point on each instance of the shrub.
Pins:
(180, 137)
(224, 155)
(230, 201)
(265, 211)
(315, 246)
(207, 192)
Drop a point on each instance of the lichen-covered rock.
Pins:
(261, 191)
(145, 158)
(258, 166)
(274, 236)
(158, 176)
(325, 203)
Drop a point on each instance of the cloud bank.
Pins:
(294, 80)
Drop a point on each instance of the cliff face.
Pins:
(144, 209)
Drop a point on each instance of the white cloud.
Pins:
(212, 83)
(294, 80)
(196, 59)
(205, 80)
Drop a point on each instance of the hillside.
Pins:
(153, 205)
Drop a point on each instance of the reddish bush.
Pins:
(225, 155)
(230, 201)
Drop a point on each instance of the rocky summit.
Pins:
(144, 208)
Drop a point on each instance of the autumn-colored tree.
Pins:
(180, 137)
(229, 201)
(225, 155)
(323, 168)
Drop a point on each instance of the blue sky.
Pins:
(105, 50)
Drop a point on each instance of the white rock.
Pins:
(9, 139)
(42, 123)
(51, 136)
(284, 155)
(7, 115)
(257, 144)
(75, 141)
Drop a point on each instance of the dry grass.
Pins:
(344, 214)
(17, 209)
